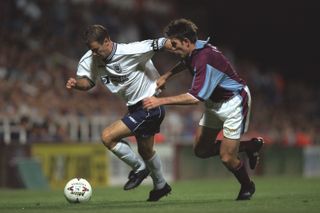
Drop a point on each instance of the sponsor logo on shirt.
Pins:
(114, 79)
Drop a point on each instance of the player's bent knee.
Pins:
(226, 159)
(106, 139)
(146, 153)
(107, 143)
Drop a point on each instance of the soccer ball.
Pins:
(78, 190)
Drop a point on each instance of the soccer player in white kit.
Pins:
(127, 70)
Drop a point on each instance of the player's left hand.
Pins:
(151, 102)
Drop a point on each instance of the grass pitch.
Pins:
(282, 194)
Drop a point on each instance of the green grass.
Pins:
(282, 194)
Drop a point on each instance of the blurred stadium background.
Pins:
(49, 135)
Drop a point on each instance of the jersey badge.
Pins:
(117, 68)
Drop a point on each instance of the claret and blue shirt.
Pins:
(213, 76)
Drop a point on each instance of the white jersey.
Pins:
(128, 71)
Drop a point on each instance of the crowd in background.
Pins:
(41, 44)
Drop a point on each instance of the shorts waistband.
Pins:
(135, 106)
(243, 92)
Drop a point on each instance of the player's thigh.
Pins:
(208, 129)
(205, 136)
(145, 147)
(115, 131)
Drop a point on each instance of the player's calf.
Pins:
(207, 151)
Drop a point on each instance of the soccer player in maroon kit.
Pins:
(225, 95)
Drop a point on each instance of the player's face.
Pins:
(181, 47)
(101, 50)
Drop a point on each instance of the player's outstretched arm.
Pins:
(180, 66)
(79, 84)
(182, 99)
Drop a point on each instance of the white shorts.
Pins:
(232, 116)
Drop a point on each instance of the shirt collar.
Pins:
(113, 51)
(201, 43)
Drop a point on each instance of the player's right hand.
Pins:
(71, 83)
(150, 103)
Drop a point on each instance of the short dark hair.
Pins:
(95, 33)
(181, 29)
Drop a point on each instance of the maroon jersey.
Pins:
(213, 76)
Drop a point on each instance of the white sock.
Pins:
(127, 155)
(155, 167)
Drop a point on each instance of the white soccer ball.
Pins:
(78, 190)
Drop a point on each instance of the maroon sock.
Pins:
(246, 146)
(241, 174)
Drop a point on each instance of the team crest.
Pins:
(117, 68)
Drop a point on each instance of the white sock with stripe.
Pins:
(155, 167)
(127, 155)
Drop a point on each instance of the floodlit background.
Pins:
(56, 133)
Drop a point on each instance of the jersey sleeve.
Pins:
(86, 69)
(146, 46)
(205, 80)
